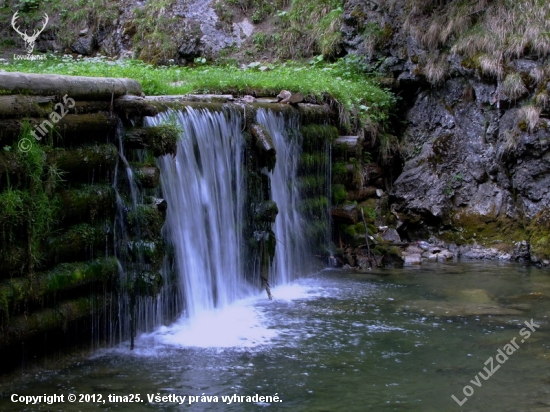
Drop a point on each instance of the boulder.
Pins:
(414, 259)
(84, 45)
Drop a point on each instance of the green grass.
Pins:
(358, 98)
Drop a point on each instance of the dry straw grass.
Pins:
(541, 99)
(538, 75)
(513, 86)
(529, 114)
(436, 69)
(491, 32)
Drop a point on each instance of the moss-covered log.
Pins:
(132, 106)
(89, 107)
(27, 326)
(71, 130)
(202, 98)
(17, 106)
(21, 106)
(76, 129)
(87, 163)
(146, 221)
(161, 140)
(79, 242)
(21, 294)
(147, 176)
(94, 203)
(75, 87)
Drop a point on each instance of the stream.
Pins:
(387, 340)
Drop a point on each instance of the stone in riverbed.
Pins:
(414, 259)
(391, 235)
(461, 309)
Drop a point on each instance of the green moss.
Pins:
(29, 206)
(539, 235)
(339, 193)
(316, 136)
(487, 230)
(146, 220)
(18, 293)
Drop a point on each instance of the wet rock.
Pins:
(391, 235)
(363, 262)
(84, 45)
(473, 296)
(392, 260)
(346, 213)
(479, 252)
(413, 250)
(284, 96)
(414, 259)
(522, 251)
(362, 194)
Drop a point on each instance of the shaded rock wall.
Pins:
(475, 158)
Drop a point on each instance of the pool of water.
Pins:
(391, 340)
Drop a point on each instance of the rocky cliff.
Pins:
(474, 81)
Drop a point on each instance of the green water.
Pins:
(338, 341)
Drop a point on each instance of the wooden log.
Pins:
(79, 242)
(27, 326)
(132, 106)
(264, 141)
(20, 294)
(17, 106)
(75, 87)
(206, 98)
(88, 107)
(76, 129)
(148, 177)
(84, 158)
(89, 164)
(161, 140)
(95, 203)
(71, 130)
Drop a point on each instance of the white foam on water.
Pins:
(242, 324)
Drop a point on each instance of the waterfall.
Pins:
(291, 253)
(209, 207)
(203, 186)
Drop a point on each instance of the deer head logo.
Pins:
(29, 40)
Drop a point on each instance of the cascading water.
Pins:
(203, 186)
(210, 221)
(291, 252)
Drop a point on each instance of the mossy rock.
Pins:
(146, 221)
(539, 235)
(488, 230)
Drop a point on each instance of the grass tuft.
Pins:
(436, 69)
(491, 65)
(513, 86)
(530, 115)
(541, 99)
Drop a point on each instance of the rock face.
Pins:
(476, 152)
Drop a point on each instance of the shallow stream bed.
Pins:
(391, 340)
